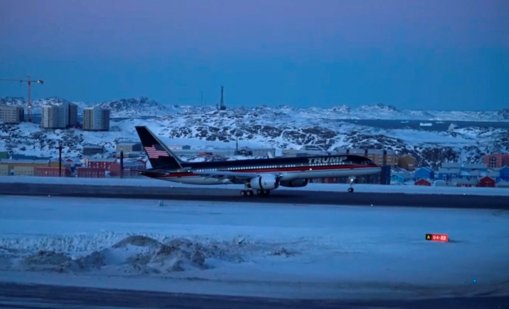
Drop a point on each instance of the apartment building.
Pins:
(96, 119)
(59, 116)
(11, 114)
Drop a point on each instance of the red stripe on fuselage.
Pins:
(273, 170)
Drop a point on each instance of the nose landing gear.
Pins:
(351, 181)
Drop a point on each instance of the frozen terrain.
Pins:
(145, 107)
(280, 127)
(251, 249)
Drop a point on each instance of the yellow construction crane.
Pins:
(29, 84)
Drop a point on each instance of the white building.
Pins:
(96, 119)
(49, 117)
(11, 114)
(73, 115)
(59, 116)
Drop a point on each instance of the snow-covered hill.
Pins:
(145, 107)
(137, 107)
(281, 127)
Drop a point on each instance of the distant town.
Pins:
(61, 116)
(128, 158)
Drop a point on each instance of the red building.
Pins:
(101, 163)
(496, 160)
(423, 182)
(91, 172)
(131, 168)
(51, 171)
(487, 182)
(110, 167)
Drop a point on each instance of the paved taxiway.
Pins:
(14, 295)
(277, 196)
(47, 296)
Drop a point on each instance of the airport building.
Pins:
(96, 119)
(91, 150)
(130, 149)
(24, 167)
(11, 114)
(380, 157)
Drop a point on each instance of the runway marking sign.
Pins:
(437, 237)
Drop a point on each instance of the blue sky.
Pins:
(411, 54)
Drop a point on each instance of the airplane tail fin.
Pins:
(158, 154)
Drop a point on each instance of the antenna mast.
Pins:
(221, 104)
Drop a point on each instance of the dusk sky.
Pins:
(440, 54)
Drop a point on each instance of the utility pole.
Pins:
(29, 86)
(121, 164)
(59, 159)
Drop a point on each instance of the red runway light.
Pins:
(437, 237)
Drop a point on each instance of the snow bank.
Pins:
(131, 255)
(136, 254)
(250, 249)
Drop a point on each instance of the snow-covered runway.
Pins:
(250, 249)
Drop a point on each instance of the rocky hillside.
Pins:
(281, 127)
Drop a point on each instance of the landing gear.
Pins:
(351, 181)
(263, 192)
(249, 193)
(246, 193)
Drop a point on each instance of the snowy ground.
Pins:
(250, 249)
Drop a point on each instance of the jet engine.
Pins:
(294, 183)
(264, 182)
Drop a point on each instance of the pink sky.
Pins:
(278, 33)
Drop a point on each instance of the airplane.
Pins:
(259, 176)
